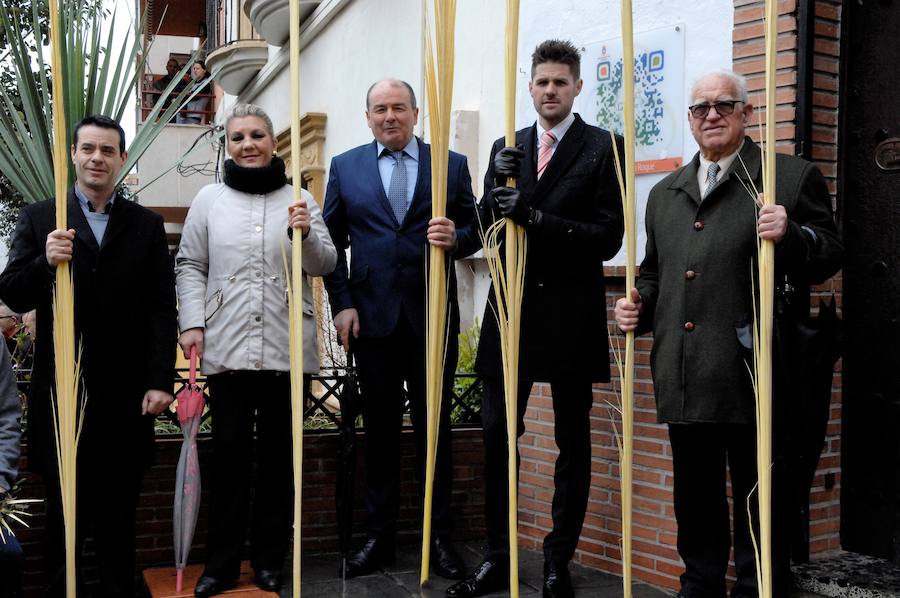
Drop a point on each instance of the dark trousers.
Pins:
(699, 455)
(12, 560)
(384, 365)
(244, 402)
(107, 497)
(571, 410)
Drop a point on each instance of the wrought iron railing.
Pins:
(324, 392)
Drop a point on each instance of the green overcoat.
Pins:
(695, 280)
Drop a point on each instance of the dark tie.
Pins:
(397, 187)
(711, 175)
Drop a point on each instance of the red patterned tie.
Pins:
(546, 151)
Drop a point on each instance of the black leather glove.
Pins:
(510, 203)
(508, 164)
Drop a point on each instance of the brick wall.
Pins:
(655, 558)
(154, 517)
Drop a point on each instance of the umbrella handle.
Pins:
(192, 377)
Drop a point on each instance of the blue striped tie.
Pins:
(397, 188)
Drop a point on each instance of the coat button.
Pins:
(258, 228)
(257, 365)
(688, 326)
(690, 275)
(698, 225)
(257, 318)
(258, 274)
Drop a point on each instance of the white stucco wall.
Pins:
(159, 186)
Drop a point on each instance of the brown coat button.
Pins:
(698, 225)
(690, 275)
(688, 326)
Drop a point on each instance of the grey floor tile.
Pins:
(401, 580)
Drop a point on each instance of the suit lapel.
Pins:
(563, 157)
(686, 180)
(751, 176)
(75, 219)
(749, 153)
(528, 174)
(423, 179)
(370, 166)
(117, 220)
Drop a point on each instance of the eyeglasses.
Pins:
(723, 108)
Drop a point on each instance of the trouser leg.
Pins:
(111, 501)
(270, 529)
(496, 481)
(441, 517)
(741, 443)
(743, 470)
(12, 560)
(381, 390)
(572, 478)
(232, 407)
(701, 508)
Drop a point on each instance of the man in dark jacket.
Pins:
(125, 327)
(378, 204)
(695, 288)
(568, 200)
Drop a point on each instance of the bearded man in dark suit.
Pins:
(125, 328)
(568, 200)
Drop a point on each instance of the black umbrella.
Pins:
(805, 351)
(349, 400)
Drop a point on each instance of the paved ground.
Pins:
(402, 580)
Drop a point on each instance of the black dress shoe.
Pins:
(489, 576)
(267, 579)
(557, 583)
(444, 560)
(210, 586)
(375, 554)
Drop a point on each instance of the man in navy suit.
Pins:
(378, 204)
(568, 200)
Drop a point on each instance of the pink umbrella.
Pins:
(187, 477)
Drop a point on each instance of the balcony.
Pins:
(271, 18)
(237, 63)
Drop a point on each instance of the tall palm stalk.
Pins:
(763, 344)
(507, 268)
(295, 303)
(439, 86)
(626, 452)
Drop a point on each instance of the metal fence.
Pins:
(324, 393)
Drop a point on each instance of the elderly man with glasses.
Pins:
(695, 286)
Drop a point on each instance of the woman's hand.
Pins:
(192, 337)
(298, 216)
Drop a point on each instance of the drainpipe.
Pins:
(806, 29)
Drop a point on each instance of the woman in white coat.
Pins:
(232, 293)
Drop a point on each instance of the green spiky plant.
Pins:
(98, 78)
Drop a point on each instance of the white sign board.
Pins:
(658, 94)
